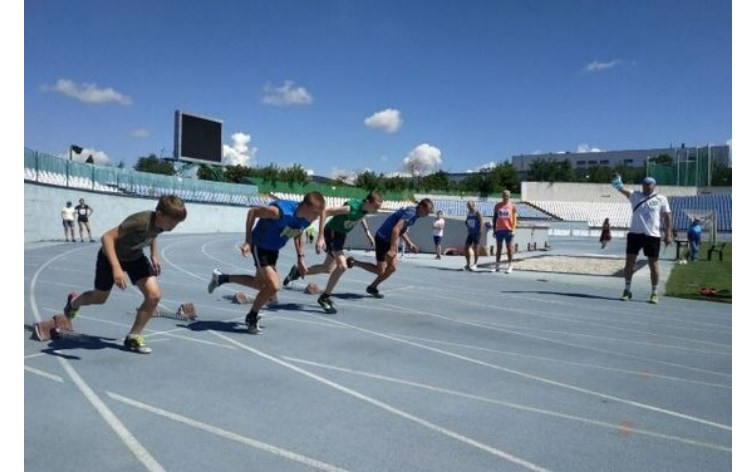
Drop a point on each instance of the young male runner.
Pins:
(387, 243)
(121, 254)
(345, 218)
(278, 222)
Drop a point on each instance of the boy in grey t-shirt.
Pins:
(122, 254)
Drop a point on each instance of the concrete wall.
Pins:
(42, 205)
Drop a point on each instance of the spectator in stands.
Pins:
(438, 232)
(83, 212)
(474, 223)
(694, 239)
(121, 254)
(649, 208)
(606, 233)
(504, 225)
(387, 243)
(278, 222)
(332, 237)
(67, 213)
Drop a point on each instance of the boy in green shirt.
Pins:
(333, 236)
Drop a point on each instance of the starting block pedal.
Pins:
(46, 330)
(185, 311)
(242, 298)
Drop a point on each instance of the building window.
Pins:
(628, 162)
(605, 162)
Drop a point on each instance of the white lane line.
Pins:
(29, 356)
(396, 310)
(562, 361)
(434, 427)
(111, 419)
(44, 374)
(551, 316)
(545, 380)
(309, 462)
(603, 424)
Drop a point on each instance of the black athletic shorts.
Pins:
(334, 241)
(264, 257)
(381, 249)
(137, 270)
(472, 239)
(83, 219)
(650, 245)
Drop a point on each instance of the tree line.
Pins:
(488, 181)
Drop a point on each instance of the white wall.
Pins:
(42, 220)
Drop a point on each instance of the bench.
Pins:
(717, 248)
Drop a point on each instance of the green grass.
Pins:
(686, 281)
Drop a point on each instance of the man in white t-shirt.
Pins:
(438, 232)
(67, 213)
(649, 208)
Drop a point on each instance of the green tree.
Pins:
(437, 181)
(368, 180)
(663, 159)
(504, 176)
(294, 174)
(549, 170)
(154, 165)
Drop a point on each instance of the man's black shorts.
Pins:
(264, 257)
(649, 244)
(334, 241)
(137, 270)
(381, 248)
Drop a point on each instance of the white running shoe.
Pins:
(214, 281)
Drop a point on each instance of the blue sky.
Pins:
(344, 86)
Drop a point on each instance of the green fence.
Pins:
(325, 189)
(52, 170)
(691, 171)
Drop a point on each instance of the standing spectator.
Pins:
(474, 223)
(694, 239)
(83, 212)
(504, 225)
(606, 233)
(438, 232)
(645, 231)
(67, 213)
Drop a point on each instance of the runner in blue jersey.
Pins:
(387, 243)
(474, 223)
(278, 222)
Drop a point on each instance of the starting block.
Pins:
(242, 298)
(312, 289)
(185, 311)
(46, 330)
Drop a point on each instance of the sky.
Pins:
(342, 86)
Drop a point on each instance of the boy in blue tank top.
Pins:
(278, 222)
(387, 243)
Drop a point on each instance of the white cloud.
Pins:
(346, 175)
(384, 158)
(286, 95)
(140, 133)
(422, 160)
(99, 157)
(239, 153)
(88, 93)
(388, 120)
(586, 148)
(487, 165)
(597, 66)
